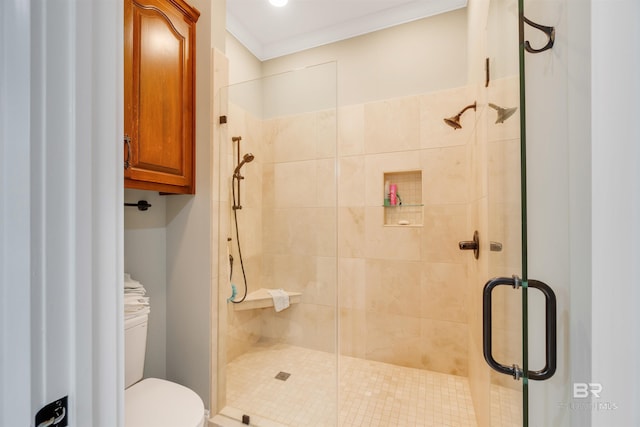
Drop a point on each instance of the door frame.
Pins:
(62, 251)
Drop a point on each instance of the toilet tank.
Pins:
(135, 346)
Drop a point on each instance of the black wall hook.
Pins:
(142, 205)
(549, 31)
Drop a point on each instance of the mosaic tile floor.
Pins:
(506, 407)
(370, 394)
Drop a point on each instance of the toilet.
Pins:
(153, 402)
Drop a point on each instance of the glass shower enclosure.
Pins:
(281, 366)
(385, 318)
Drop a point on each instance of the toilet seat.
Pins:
(153, 402)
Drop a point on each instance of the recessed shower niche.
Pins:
(403, 198)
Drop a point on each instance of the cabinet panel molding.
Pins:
(159, 70)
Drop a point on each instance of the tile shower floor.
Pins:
(370, 393)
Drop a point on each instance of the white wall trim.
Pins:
(101, 62)
(15, 346)
(616, 209)
(61, 210)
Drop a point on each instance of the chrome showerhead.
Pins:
(247, 158)
(503, 113)
(454, 121)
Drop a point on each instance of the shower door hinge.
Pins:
(517, 372)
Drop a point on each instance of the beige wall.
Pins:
(422, 56)
(418, 57)
(218, 24)
(243, 66)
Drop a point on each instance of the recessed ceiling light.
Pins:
(278, 3)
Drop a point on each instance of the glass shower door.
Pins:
(506, 297)
(503, 313)
(279, 366)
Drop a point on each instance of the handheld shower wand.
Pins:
(236, 176)
(245, 159)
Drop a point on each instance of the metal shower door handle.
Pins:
(550, 328)
(551, 350)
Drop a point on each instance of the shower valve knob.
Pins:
(471, 245)
(468, 245)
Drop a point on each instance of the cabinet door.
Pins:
(159, 67)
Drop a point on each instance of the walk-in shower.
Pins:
(384, 325)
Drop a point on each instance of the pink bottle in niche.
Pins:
(393, 191)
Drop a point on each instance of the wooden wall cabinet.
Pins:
(159, 95)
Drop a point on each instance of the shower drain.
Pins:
(283, 376)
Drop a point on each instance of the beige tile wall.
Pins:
(243, 328)
(410, 309)
(402, 292)
(494, 209)
(504, 212)
(479, 372)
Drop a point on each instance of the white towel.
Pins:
(133, 284)
(135, 300)
(280, 299)
(131, 314)
(133, 287)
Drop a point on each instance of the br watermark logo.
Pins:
(583, 390)
(584, 398)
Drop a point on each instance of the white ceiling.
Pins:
(269, 32)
